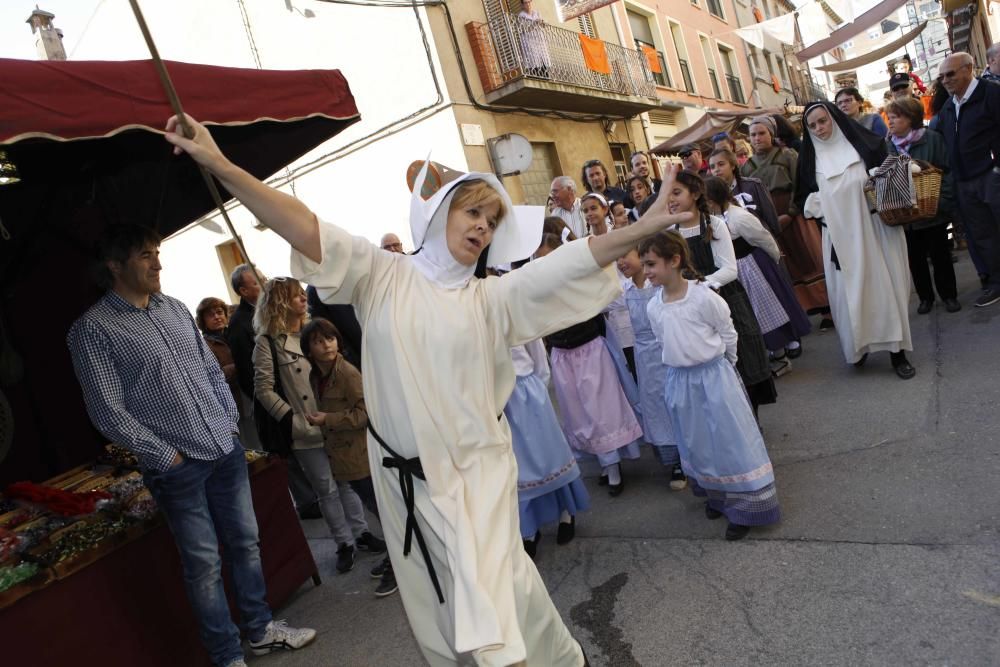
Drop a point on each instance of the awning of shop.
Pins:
(872, 56)
(711, 123)
(846, 32)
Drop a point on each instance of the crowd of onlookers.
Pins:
(779, 229)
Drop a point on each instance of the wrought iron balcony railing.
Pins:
(509, 48)
(686, 75)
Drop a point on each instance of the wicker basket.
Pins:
(928, 186)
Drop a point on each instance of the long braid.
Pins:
(694, 184)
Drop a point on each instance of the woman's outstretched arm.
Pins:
(287, 216)
(609, 247)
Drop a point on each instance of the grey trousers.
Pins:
(340, 505)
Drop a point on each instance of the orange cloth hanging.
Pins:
(759, 15)
(775, 83)
(652, 59)
(595, 56)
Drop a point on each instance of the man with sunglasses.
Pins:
(692, 159)
(971, 128)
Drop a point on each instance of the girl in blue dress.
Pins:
(720, 445)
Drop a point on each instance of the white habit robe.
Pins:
(870, 294)
(438, 371)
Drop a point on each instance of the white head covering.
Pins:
(516, 235)
(833, 155)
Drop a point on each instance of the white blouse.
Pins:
(722, 251)
(695, 329)
(744, 224)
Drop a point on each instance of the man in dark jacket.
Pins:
(970, 123)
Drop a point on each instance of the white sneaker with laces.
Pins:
(279, 635)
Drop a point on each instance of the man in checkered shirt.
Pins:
(152, 385)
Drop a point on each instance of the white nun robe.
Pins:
(438, 372)
(869, 295)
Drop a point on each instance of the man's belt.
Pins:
(408, 469)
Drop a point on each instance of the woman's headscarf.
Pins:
(847, 136)
(767, 122)
(516, 236)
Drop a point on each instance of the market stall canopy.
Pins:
(872, 56)
(711, 123)
(846, 32)
(86, 140)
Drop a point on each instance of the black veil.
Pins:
(870, 146)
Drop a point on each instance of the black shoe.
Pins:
(615, 490)
(861, 362)
(566, 532)
(310, 511)
(711, 514)
(793, 352)
(952, 305)
(387, 586)
(925, 306)
(602, 480)
(368, 542)
(734, 531)
(904, 370)
(989, 296)
(380, 569)
(531, 546)
(345, 558)
(826, 324)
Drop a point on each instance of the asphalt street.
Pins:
(888, 552)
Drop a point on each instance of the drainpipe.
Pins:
(643, 117)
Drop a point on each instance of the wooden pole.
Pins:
(186, 128)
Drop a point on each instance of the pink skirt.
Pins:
(594, 413)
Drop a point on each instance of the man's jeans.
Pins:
(979, 201)
(207, 502)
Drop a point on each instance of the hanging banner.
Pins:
(844, 33)
(812, 23)
(570, 9)
(877, 54)
(595, 56)
(782, 28)
(652, 59)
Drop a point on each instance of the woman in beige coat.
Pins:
(278, 320)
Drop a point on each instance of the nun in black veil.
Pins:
(867, 274)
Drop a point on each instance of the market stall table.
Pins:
(129, 606)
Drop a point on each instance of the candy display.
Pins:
(76, 541)
(118, 455)
(9, 541)
(12, 576)
(141, 505)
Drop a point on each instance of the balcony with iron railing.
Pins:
(533, 64)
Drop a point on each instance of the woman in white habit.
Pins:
(438, 373)
(867, 270)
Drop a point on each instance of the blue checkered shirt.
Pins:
(150, 383)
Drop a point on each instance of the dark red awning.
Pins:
(79, 99)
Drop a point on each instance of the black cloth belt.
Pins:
(408, 469)
(833, 251)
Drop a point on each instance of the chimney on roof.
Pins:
(49, 44)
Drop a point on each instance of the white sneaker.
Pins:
(278, 635)
(239, 662)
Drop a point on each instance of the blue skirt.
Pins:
(537, 512)
(545, 462)
(718, 438)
